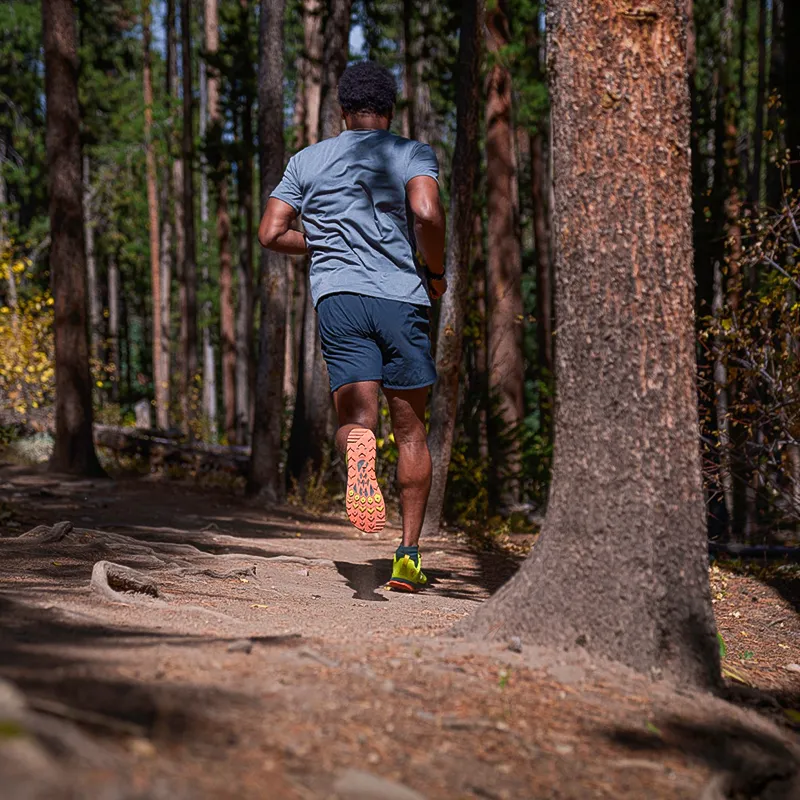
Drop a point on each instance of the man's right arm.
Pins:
(275, 231)
(429, 227)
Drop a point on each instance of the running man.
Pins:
(369, 201)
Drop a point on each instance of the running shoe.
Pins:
(365, 505)
(407, 575)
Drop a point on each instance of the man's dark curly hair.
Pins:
(367, 87)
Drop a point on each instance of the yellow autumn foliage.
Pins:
(27, 355)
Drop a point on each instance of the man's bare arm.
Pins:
(275, 231)
(429, 227)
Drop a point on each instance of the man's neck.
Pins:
(367, 122)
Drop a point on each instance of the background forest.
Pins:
(175, 149)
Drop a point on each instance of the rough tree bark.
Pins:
(264, 473)
(791, 27)
(160, 376)
(621, 567)
(313, 46)
(74, 449)
(453, 305)
(189, 266)
(311, 422)
(506, 367)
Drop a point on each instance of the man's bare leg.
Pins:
(407, 408)
(356, 407)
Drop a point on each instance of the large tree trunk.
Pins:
(74, 450)
(311, 422)
(92, 284)
(189, 266)
(264, 473)
(621, 567)
(160, 377)
(506, 368)
(453, 305)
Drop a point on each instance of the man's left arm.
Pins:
(275, 231)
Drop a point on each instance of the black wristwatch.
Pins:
(434, 276)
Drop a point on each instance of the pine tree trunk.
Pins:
(450, 337)
(209, 356)
(777, 84)
(541, 236)
(312, 88)
(409, 83)
(506, 368)
(758, 132)
(167, 228)
(312, 416)
(245, 352)
(160, 377)
(264, 472)
(334, 61)
(12, 283)
(74, 449)
(113, 325)
(92, 285)
(621, 567)
(189, 268)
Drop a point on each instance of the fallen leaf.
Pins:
(258, 605)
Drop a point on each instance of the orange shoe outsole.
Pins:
(365, 505)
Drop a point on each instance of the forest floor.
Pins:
(273, 664)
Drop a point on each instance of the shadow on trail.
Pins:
(749, 762)
(59, 664)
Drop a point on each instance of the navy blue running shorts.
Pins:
(372, 339)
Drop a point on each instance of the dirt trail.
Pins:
(266, 660)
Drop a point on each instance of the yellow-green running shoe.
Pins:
(407, 576)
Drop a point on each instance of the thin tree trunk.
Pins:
(167, 228)
(4, 242)
(541, 235)
(264, 473)
(450, 337)
(313, 42)
(334, 61)
(758, 132)
(245, 353)
(209, 356)
(289, 385)
(73, 451)
(721, 402)
(621, 567)
(113, 325)
(89, 223)
(189, 269)
(160, 377)
(506, 368)
(409, 88)
(777, 84)
(311, 422)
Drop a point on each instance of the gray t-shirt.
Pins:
(351, 193)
